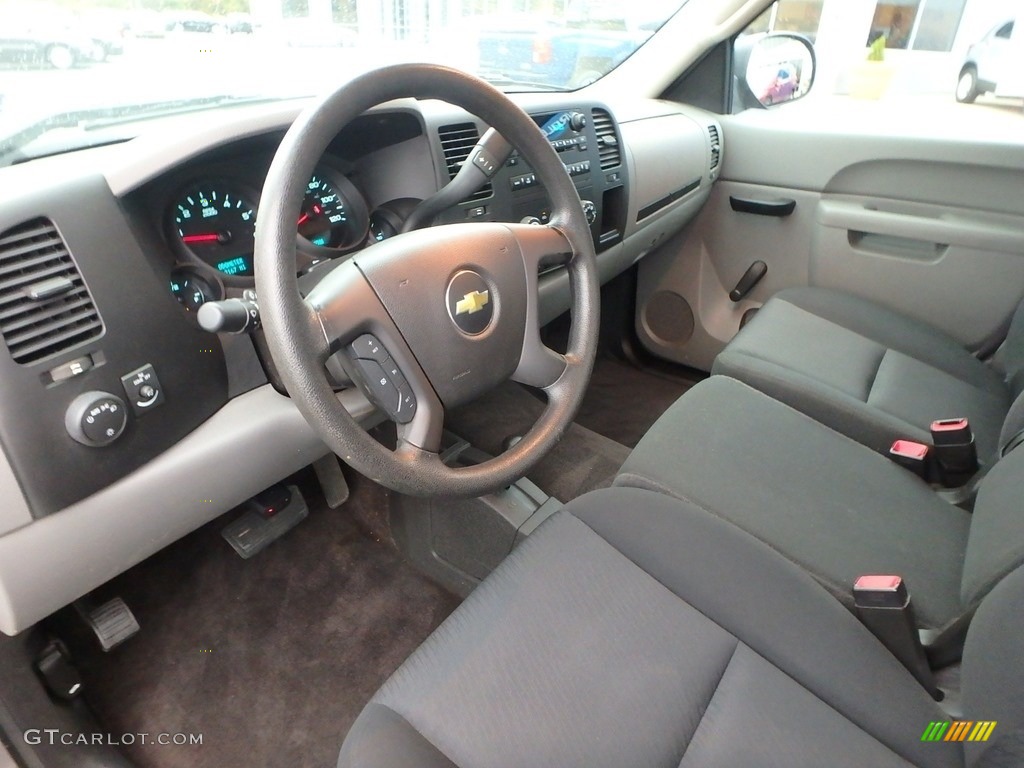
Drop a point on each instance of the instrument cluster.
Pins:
(210, 223)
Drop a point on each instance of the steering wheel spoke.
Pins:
(425, 430)
(356, 326)
(345, 305)
(542, 247)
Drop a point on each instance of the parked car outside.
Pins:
(147, 24)
(240, 23)
(987, 64)
(25, 45)
(193, 21)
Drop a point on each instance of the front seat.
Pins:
(871, 373)
(632, 629)
(829, 504)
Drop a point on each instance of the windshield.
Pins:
(71, 67)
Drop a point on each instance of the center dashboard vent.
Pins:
(716, 146)
(45, 306)
(607, 140)
(457, 141)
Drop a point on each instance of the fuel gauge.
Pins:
(192, 290)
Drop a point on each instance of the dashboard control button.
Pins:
(367, 347)
(96, 418)
(70, 369)
(143, 389)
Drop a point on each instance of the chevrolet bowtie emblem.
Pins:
(472, 302)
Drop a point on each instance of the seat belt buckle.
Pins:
(956, 454)
(912, 456)
(883, 605)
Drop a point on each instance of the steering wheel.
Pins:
(433, 318)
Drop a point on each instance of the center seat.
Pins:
(827, 503)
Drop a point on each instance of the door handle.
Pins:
(780, 208)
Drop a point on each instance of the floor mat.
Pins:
(270, 659)
(623, 400)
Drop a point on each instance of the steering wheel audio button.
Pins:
(368, 347)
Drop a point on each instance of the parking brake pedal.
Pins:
(267, 517)
(112, 623)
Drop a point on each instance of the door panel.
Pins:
(957, 269)
(933, 229)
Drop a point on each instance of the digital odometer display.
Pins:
(218, 224)
(240, 265)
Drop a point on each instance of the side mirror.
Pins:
(773, 69)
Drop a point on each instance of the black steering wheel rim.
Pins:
(296, 333)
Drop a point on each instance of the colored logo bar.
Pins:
(958, 730)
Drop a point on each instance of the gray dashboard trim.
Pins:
(256, 439)
(14, 511)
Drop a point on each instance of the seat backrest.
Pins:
(1013, 426)
(995, 543)
(1012, 353)
(993, 673)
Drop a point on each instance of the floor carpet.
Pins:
(270, 659)
(624, 400)
(581, 461)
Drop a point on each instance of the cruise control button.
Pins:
(406, 404)
(367, 347)
(381, 390)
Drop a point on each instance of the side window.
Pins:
(912, 54)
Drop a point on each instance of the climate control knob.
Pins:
(96, 418)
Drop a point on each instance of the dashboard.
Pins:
(123, 424)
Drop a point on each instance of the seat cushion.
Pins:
(632, 629)
(825, 502)
(864, 370)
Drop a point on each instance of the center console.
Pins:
(586, 139)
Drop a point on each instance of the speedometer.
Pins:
(217, 223)
(333, 213)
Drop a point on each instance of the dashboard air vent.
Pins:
(457, 141)
(716, 146)
(45, 306)
(607, 140)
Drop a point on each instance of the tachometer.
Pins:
(218, 224)
(333, 212)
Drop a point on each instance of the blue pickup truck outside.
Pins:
(542, 54)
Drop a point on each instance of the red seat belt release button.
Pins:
(911, 455)
(956, 455)
(882, 603)
(880, 591)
